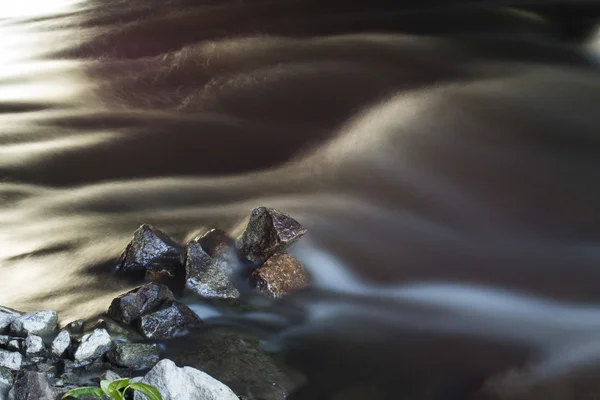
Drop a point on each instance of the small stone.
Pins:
(92, 346)
(10, 359)
(34, 345)
(112, 327)
(32, 385)
(137, 356)
(168, 322)
(75, 326)
(50, 370)
(204, 277)
(109, 375)
(14, 345)
(150, 246)
(61, 343)
(7, 316)
(175, 383)
(6, 381)
(221, 248)
(280, 276)
(130, 306)
(36, 323)
(268, 232)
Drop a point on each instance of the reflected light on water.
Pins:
(34, 8)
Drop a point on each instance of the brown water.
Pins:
(444, 161)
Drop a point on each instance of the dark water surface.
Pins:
(445, 159)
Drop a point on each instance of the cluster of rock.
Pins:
(205, 265)
(37, 360)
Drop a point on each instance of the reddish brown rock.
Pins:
(280, 275)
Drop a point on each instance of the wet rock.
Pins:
(6, 381)
(109, 376)
(7, 316)
(168, 322)
(34, 345)
(204, 277)
(137, 356)
(235, 360)
(112, 327)
(268, 232)
(35, 323)
(92, 346)
(32, 385)
(151, 246)
(75, 327)
(130, 306)
(184, 383)
(10, 359)
(280, 276)
(61, 343)
(221, 248)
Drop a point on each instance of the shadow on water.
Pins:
(444, 158)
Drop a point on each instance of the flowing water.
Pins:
(444, 158)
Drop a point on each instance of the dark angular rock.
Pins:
(168, 322)
(216, 242)
(6, 381)
(137, 356)
(268, 232)
(32, 385)
(204, 277)
(280, 276)
(75, 327)
(36, 323)
(130, 306)
(150, 246)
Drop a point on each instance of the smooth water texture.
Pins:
(445, 162)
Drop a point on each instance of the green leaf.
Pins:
(150, 391)
(112, 389)
(83, 391)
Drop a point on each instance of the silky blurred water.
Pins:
(445, 163)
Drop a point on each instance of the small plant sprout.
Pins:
(114, 390)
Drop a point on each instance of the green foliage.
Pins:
(114, 390)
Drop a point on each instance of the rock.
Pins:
(151, 246)
(268, 232)
(34, 345)
(6, 381)
(92, 346)
(50, 370)
(168, 322)
(184, 384)
(221, 248)
(14, 345)
(204, 277)
(75, 326)
(32, 385)
(130, 306)
(65, 366)
(109, 376)
(237, 361)
(112, 327)
(35, 323)
(61, 343)
(280, 276)
(10, 359)
(7, 316)
(136, 356)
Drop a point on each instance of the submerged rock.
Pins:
(61, 343)
(151, 246)
(35, 323)
(75, 326)
(268, 232)
(280, 276)
(34, 345)
(221, 248)
(7, 316)
(204, 277)
(112, 327)
(137, 356)
(6, 381)
(184, 383)
(32, 385)
(92, 346)
(130, 306)
(11, 359)
(168, 321)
